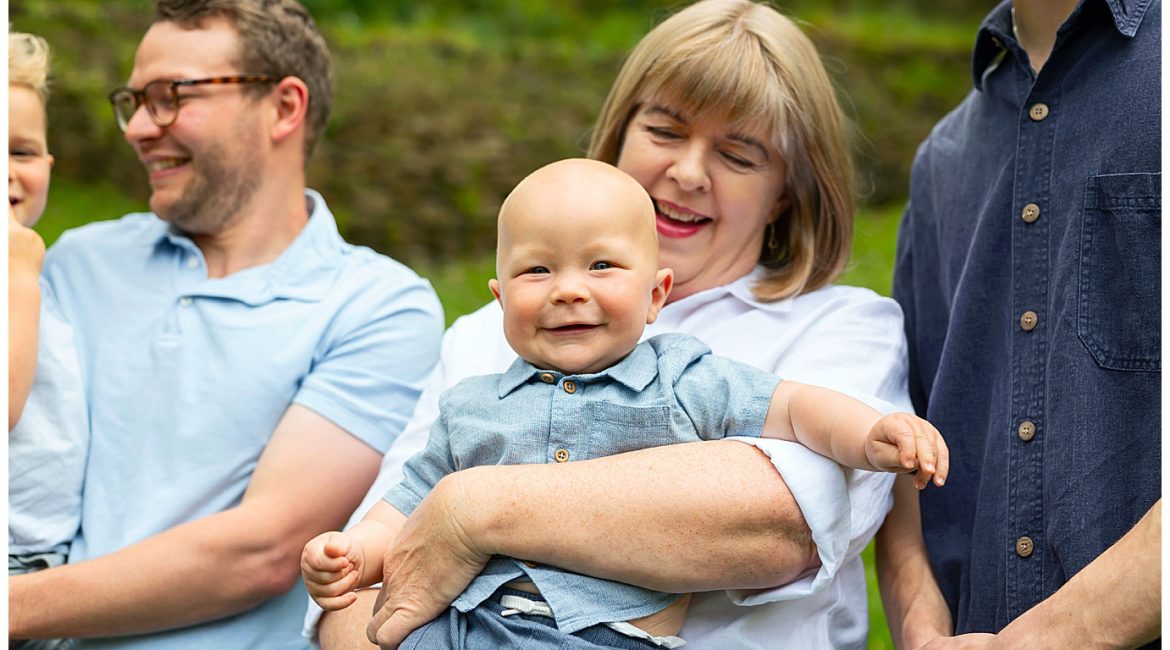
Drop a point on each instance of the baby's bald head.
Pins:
(579, 189)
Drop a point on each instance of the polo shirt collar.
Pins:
(996, 35)
(304, 271)
(636, 371)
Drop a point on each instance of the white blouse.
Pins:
(846, 338)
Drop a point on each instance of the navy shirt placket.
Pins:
(1024, 543)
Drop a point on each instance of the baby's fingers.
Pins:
(332, 604)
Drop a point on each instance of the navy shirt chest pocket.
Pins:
(1119, 284)
(618, 428)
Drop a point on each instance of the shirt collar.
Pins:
(636, 371)
(995, 33)
(304, 271)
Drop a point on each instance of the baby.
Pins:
(578, 279)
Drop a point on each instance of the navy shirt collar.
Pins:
(996, 36)
(636, 371)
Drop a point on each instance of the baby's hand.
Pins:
(332, 566)
(901, 442)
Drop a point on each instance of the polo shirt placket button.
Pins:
(1029, 320)
(192, 262)
(185, 301)
(1027, 430)
(1038, 112)
(547, 377)
(561, 455)
(570, 387)
(1030, 213)
(1024, 546)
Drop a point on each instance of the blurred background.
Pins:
(441, 107)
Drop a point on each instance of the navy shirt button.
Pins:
(1024, 546)
(1030, 213)
(1029, 320)
(1027, 430)
(1038, 112)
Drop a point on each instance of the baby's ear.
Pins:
(494, 286)
(663, 282)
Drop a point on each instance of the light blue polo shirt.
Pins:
(186, 378)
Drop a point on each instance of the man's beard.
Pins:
(219, 188)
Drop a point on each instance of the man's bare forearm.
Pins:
(915, 609)
(691, 517)
(1114, 602)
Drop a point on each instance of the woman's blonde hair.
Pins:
(744, 64)
(28, 63)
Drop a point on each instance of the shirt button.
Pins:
(547, 377)
(1028, 321)
(1031, 213)
(1027, 430)
(561, 455)
(185, 301)
(1024, 546)
(570, 387)
(1038, 112)
(192, 262)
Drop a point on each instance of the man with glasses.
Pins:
(246, 368)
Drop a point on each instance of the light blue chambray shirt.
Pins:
(670, 389)
(187, 376)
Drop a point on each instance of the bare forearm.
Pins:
(691, 517)
(1114, 602)
(827, 422)
(207, 569)
(915, 608)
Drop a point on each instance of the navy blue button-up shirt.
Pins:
(1028, 269)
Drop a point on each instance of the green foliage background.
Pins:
(441, 107)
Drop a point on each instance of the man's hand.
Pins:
(429, 564)
(902, 442)
(332, 565)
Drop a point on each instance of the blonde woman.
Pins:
(725, 115)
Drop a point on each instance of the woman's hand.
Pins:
(26, 249)
(430, 563)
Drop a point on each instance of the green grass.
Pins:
(462, 288)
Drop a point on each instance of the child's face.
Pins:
(578, 282)
(29, 161)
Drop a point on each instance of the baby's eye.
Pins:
(537, 269)
(600, 266)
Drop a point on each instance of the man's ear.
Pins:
(292, 107)
(663, 283)
(494, 286)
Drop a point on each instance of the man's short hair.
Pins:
(277, 38)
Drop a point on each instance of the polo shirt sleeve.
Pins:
(371, 367)
(725, 398)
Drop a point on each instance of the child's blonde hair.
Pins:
(28, 63)
(744, 64)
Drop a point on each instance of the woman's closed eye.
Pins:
(664, 132)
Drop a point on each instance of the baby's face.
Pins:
(29, 161)
(578, 283)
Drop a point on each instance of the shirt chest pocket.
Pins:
(618, 428)
(1119, 288)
